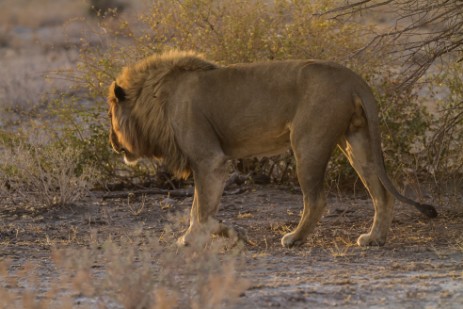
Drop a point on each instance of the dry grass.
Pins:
(134, 271)
(44, 178)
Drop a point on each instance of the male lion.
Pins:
(195, 115)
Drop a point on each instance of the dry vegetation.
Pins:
(65, 243)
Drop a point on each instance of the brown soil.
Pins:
(420, 266)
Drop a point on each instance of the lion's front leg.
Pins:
(202, 222)
(209, 184)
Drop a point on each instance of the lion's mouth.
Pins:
(129, 158)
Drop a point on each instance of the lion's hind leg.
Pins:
(312, 153)
(357, 148)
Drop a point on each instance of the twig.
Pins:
(125, 194)
(171, 193)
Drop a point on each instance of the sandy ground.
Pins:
(421, 266)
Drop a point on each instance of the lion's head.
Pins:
(121, 135)
(140, 125)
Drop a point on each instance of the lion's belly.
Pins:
(262, 144)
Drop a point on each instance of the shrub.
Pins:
(445, 141)
(44, 175)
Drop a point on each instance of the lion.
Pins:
(195, 115)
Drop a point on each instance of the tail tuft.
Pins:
(428, 210)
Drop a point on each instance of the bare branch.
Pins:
(350, 8)
(430, 29)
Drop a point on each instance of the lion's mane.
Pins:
(145, 122)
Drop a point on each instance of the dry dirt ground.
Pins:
(421, 266)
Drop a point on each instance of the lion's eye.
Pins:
(110, 115)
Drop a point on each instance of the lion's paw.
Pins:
(367, 240)
(196, 238)
(182, 241)
(291, 240)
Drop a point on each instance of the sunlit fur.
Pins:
(140, 123)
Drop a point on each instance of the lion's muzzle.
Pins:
(129, 158)
(115, 143)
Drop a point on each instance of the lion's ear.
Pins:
(119, 92)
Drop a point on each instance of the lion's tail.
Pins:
(366, 99)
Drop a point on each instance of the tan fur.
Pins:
(196, 115)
